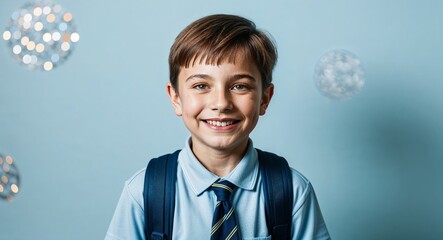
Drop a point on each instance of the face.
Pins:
(220, 105)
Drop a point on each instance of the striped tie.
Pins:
(224, 224)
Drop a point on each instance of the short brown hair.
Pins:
(221, 37)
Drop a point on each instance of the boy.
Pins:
(220, 83)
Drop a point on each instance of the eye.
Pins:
(200, 86)
(240, 87)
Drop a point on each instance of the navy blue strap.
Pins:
(159, 196)
(278, 193)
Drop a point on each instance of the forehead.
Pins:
(238, 65)
(218, 55)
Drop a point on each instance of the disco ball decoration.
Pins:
(41, 35)
(9, 178)
(338, 75)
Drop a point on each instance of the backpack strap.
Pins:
(278, 191)
(159, 196)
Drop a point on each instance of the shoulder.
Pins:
(302, 188)
(300, 183)
(304, 193)
(134, 186)
(299, 180)
(137, 179)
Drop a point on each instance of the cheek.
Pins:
(250, 107)
(192, 105)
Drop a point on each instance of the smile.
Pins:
(220, 123)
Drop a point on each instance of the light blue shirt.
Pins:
(195, 204)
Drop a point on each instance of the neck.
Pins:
(219, 161)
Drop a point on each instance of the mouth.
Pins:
(221, 123)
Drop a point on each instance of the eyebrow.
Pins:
(203, 76)
(231, 78)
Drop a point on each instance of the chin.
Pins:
(226, 144)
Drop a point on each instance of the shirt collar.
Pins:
(244, 175)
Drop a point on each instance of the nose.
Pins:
(221, 100)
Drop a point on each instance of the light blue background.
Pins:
(78, 132)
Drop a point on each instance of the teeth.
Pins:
(220, 124)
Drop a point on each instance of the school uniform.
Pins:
(195, 203)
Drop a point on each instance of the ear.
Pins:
(266, 99)
(175, 99)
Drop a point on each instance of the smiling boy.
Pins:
(220, 83)
(220, 105)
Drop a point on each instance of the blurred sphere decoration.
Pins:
(338, 75)
(41, 35)
(9, 178)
